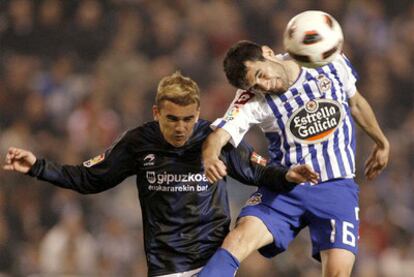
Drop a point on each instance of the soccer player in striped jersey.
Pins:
(307, 115)
(185, 218)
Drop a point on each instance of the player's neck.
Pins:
(292, 71)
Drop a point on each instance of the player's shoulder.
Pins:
(343, 64)
(201, 130)
(145, 133)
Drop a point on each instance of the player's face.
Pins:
(176, 122)
(266, 76)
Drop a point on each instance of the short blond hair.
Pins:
(178, 89)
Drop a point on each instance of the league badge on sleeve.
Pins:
(94, 161)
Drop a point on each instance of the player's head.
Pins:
(177, 108)
(250, 66)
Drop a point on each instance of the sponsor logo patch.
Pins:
(254, 199)
(256, 158)
(94, 161)
(166, 178)
(315, 121)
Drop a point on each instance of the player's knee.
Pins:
(337, 263)
(236, 243)
(249, 235)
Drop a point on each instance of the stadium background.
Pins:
(75, 74)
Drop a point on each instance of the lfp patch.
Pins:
(94, 161)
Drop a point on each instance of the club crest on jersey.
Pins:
(151, 177)
(149, 160)
(324, 83)
(254, 199)
(256, 158)
(315, 121)
(94, 161)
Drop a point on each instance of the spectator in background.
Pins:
(67, 248)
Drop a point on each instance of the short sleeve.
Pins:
(349, 75)
(244, 112)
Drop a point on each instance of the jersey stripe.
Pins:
(278, 116)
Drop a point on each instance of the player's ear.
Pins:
(197, 115)
(155, 112)
(267, 52)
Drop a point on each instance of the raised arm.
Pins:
(214, 168)
(364, 116)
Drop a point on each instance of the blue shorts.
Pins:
(330, 209)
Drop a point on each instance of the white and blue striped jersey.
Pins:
(308, 124)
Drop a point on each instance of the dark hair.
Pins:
(234, 62)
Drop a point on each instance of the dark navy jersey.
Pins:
(185, 218)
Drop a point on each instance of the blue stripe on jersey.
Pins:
(314, 159)
(298, 147)
(298, 100)
(348, 63)
(335, 73)
(327, 160)
(347, 140)
(308, 76)
(320, 70)
(278, 117)
(221, 124)
(274, 147)
(283, 97)
(338, 153)
(308, 91)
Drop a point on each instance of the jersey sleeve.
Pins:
(243, 113)
(95, 175)
(247, 167)
(348, 75)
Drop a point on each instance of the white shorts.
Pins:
(189, 273)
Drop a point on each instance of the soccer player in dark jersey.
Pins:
(185, 217)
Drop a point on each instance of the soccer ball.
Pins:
(313, 38)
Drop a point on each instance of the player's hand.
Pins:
(19, 160)
(302, 173)
(214, 169)
(377, 161)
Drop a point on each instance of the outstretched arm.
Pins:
(214, 168)
(364, 116)
(96, 175)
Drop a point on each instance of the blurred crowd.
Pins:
(75, 74)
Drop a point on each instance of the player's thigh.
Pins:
(337, 262)
(249, 235)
